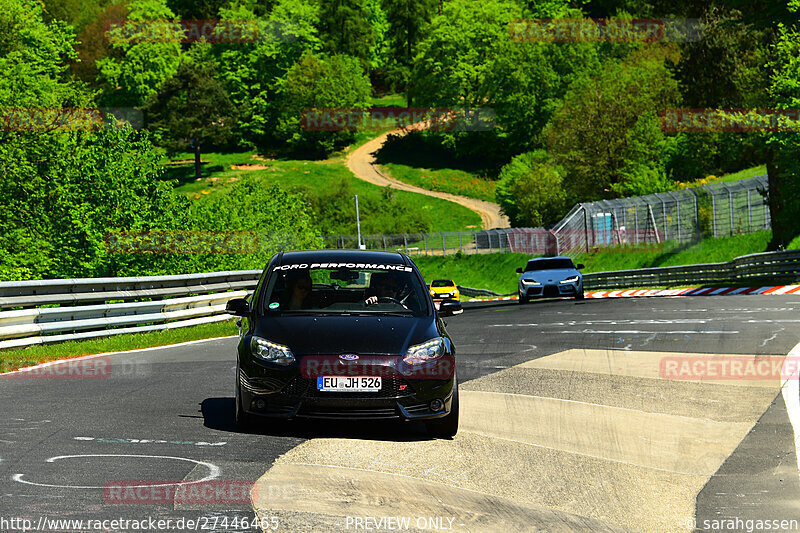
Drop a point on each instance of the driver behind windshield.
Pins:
(383, 285)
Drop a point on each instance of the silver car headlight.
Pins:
(530, 282)
(573, 279)
(427, 351)
(271, 352)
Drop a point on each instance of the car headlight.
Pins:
(271, 352)
(433, 293)
(530, 282)
(427, 351)
(573, 279)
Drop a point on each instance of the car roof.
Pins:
(549, 258)
(339, 256)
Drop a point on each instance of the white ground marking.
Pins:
(791, 396)
(213, 471)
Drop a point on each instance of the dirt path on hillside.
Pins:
(362, 163)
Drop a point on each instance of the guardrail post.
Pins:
(385, 247)
(460, 246)
(749, 213)
(425, 240)
(444, 245)
(405, 242)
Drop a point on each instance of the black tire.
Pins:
(242, 419)
(579, 296)
(522, 299)
(447, 426)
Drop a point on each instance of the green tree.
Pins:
(336, 82)
(784, 147)
(191, 109)
(346, 29)
(145, 52)
(251, 70)
(280, 220)
(606, 134)
(531, 190)
(407, 22)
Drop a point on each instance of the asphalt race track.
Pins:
(570, 422)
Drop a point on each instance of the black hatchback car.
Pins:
(337, 334)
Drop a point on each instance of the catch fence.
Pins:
(714, 210)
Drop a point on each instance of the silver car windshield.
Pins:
(549, 264)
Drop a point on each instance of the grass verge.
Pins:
(312, 176)
(453, 181)
(34, 355)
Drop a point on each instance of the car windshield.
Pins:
(346, 291)
(549, 264)
(442, 283)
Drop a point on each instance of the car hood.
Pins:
(334, 335)
(549, 276)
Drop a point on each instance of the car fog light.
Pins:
(260, 404)
(437, 405)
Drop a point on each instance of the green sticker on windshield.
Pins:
(274, 305)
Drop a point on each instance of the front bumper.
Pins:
(550, 290)
(289, 394)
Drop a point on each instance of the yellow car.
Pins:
(444, 288)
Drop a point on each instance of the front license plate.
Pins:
(349, 384)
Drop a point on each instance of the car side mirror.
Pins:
(519, 271)
(238, 307)
(450, 307)
(580, 266)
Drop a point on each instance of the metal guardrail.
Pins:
(767, 267)
(113, 306)
(117, 306)
(475, 293)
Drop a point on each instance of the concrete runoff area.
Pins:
(581, 440)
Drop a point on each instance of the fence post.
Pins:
(340, 239)
(425, 240)
(696, 212)
(713, 209)
(460, 246)
(730, 203)
(749, 213)
(385, 248)
(444, 246)
(475, 236)
(678, 209)
(585, 229)
(405, 242)
(664, 213)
